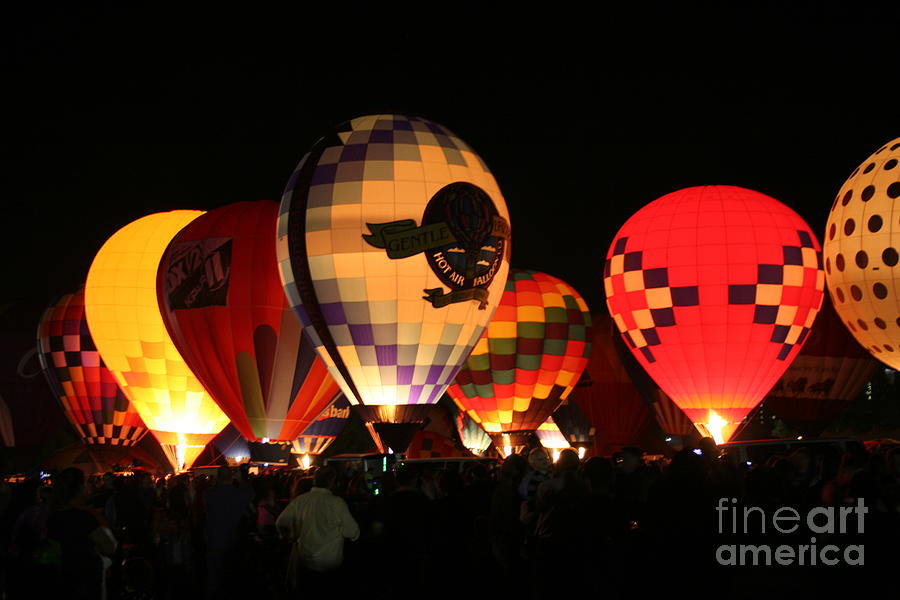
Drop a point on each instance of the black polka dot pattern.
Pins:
(861, 258)
(867, 193)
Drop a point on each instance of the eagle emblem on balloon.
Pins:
(463, 239)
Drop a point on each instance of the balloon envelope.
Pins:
(862, 254)
(224, 307)
(87, 391)
(393, 246)
(830, 371)
(316, 438)
(550, 435)
(608, 398)
(530, 357)
(714, 289)
(125, 321)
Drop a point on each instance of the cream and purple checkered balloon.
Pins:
(394, 296)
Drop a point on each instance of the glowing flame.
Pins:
(556, 452)
(581, 452)
(715, 425)
(507, 447)
(180, 451)
(304, 462)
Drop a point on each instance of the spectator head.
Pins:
(632, 458)
(324, 477)
(568, 461)
(538, 459)
(709, 447)
(513, 469)
(68, 486)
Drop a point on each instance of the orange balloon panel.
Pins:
(714, 289)
(125, 321)
(530, 357)
(862, 249)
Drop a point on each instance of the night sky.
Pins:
(113, 113)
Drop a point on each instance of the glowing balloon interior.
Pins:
(862, 251)
(530, 358)
(87, 391)
(714, 289)
(393, 242)
(125, 321)
(222, 301)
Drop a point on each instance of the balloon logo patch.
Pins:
(462, 236)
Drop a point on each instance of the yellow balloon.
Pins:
(862, 242)
(125, 321)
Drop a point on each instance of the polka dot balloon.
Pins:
(862, 242)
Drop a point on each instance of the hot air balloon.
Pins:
(607, 396)
(830, 371)
(87, 391)
(393, 245)
(428, 444)
(529, 359)
(472, 436)
(862, 249)
(552, 438)
(224, 307)
(319, 434)
(714, 289)
(574, 426)
(125, 321)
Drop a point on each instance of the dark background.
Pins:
(114, 112)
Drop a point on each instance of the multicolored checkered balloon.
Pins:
(86, 389)
(715, 289)
(529, 359)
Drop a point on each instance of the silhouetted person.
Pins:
(407, 525)
(507, 530)
(317, 523)
(226, 505)
(562, 530)
(83, 541)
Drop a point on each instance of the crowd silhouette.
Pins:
(605, 527)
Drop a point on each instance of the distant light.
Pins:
(265, 464)
(799, 437)
(668, 438)
(265, 440)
